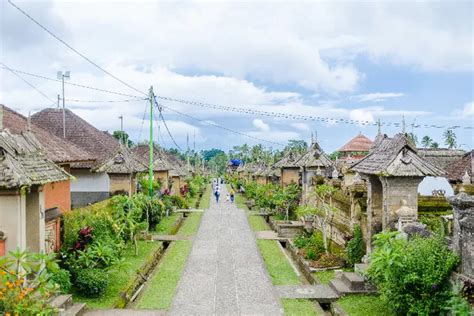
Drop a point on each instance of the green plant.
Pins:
(62, 278)
(91, 282)
(412, 275)
(355, 248)
(25, 283)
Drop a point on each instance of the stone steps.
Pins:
(78, 309)
(66, 307)
(351, 283)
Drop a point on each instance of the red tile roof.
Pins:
(358, 143)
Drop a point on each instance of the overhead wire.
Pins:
(73, 49)
(166, 127)
(221, 127)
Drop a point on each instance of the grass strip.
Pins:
(206, 198)
(167, 224)
(364, 305)
(258, 223)
(161, 288)
(119, 278)
(299, 307)
(190, 225)
(278, 267)
(325, 276)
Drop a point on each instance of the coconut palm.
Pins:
(450, 138)
(426, 141)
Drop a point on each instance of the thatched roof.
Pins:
(396, 157)
(458, 169)
(314, 157)
(123, 162)
(441, 157)
(23, 162)
(100, 144)
(178, 167)
(288, 161)
(159, 161)
(56, 148)
(360, 143)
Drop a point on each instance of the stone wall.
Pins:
(79, 199)
(120, 183)
(463, 231)
(289, 176)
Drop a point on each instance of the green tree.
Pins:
(434, 145)
(296, 146)
(413, 138)
(123, 137)
(450, 138)
(218, 163)
(207, 155)
(426, 141)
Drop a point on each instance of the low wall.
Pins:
(79, 199)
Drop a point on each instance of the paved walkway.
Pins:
(224, 273)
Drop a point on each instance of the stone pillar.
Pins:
(463, 231)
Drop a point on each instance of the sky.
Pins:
(363, 61)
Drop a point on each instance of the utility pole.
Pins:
(59, 99)
(187, 151)
(62, 76)
(151, 147)
(122, 140)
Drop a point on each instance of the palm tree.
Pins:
(413, 138)
(450, 138)
(426, 141)
(434, 145)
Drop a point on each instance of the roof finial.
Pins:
(403, 124)
(28, 122)
(378, 127)
(312, 139)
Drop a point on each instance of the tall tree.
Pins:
(122, 137)
(434, 145)
(413, 138)
(426, 141)
(296, 146)
(450, 138)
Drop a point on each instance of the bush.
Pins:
(412, 275)
(355, 249)
(328, 260)
(63, 279)
(91, 282)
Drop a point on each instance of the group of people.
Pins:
(217, 191)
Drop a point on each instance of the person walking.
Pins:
(232, 194)
(217, 194)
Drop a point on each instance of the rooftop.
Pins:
(360, 143)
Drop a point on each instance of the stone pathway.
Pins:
(319, 292)
(224, 273)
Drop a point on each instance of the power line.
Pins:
(73, 49)
(27, 82)
(222, 127)
(168, 130)
(305, 117)
(105, 101)
(72, 83)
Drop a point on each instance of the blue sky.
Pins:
(353, 60)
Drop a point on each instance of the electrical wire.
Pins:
(221, 127)
(72, 83)
(73, 49)
(104, 101)
(169, 132)
(28, 83)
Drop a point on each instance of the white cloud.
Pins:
(261, 125)
(301, 126)
(468, 109)
(377, 96)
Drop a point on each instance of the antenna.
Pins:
(66, 75)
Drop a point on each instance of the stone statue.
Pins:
(406, 215)
(335, 174)
(466, 179)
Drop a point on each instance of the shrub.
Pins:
(355, 249)
(91, 282)
(328, 260)
(62, 278)
(412, 275)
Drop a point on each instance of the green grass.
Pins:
(258, 223)
(280, 270)
(167, 224)
(162, 286)
(206, 198)
(239, 199)
(297, 307)
(364, 305)
(120, 278)
(324, 276)
(190, 225)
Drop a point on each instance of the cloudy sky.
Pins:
(350, 60)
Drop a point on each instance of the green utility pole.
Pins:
(151, 147)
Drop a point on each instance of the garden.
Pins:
(106, 248)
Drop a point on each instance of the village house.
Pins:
(392, 170)
(178, 172)
(357, 148)
(57, 195)
(290, 171)
(460, 173)
(161, 167)
(24, 172)
(92, 184)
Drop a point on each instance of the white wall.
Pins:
(12, 220)
(89, 182)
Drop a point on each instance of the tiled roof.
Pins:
(56, 148)
(100, 144)
(23, 163)
(395, 157)
(159, 161)
(458, 169)
(288, 161)
(357, 144)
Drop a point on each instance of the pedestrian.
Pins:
(217, 194)
(232, 194)
(227, 198)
